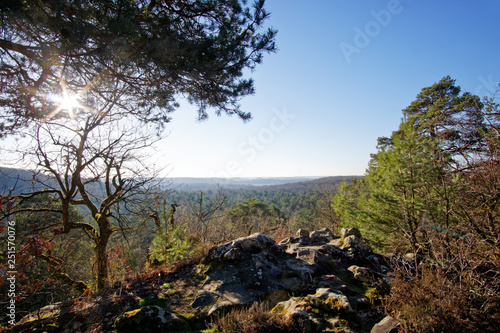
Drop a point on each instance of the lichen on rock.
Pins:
(150, 319)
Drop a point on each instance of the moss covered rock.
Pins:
(150, 319)
(324, 310)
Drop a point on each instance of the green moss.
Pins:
(332, 304)
(153, 301)
(372, 294)
(187, 316)
(171, 292)
(211, 330)
(130, 313)
(356, 287)
(202, 270)
(42, 317)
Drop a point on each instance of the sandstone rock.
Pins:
(317, 312)
(252, 244)
(346, 232)
(246, 270)
(362, 274)
(330, 300)
(353, 242)
(318, 261)
(321, 236)
(150, 319)
(387, 325)
(253, 268)
(304, 234)
(412, 258)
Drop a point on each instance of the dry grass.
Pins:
(255, 319)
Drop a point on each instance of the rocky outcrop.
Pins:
(321, 270)
(249, 269)
(324, 282)
(326, 309)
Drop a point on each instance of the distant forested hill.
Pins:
(305, 201)
(23, 180)
(285, 184)
(302, 199)
(15, 180)
(205, 184)
(309, 185)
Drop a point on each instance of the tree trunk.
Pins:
(102, 254)
(102, 264)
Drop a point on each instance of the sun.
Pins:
(67, 102)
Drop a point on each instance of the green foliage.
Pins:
(170, 247)
(407, 178)
(436, 181)
(354, 208)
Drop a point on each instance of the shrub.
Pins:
(457, 289)
(172, 247)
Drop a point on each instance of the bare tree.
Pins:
(206, 211)
(97, 161)
(91, 83)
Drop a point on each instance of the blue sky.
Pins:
(342, 75)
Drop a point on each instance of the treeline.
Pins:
(290, 201)
(193, 221)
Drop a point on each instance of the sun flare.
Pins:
(65, 102)
(69, 102)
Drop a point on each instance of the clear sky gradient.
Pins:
(342, 75)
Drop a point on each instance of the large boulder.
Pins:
(351, 239)
(346, 232)
(321, 236)
(248, 269)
